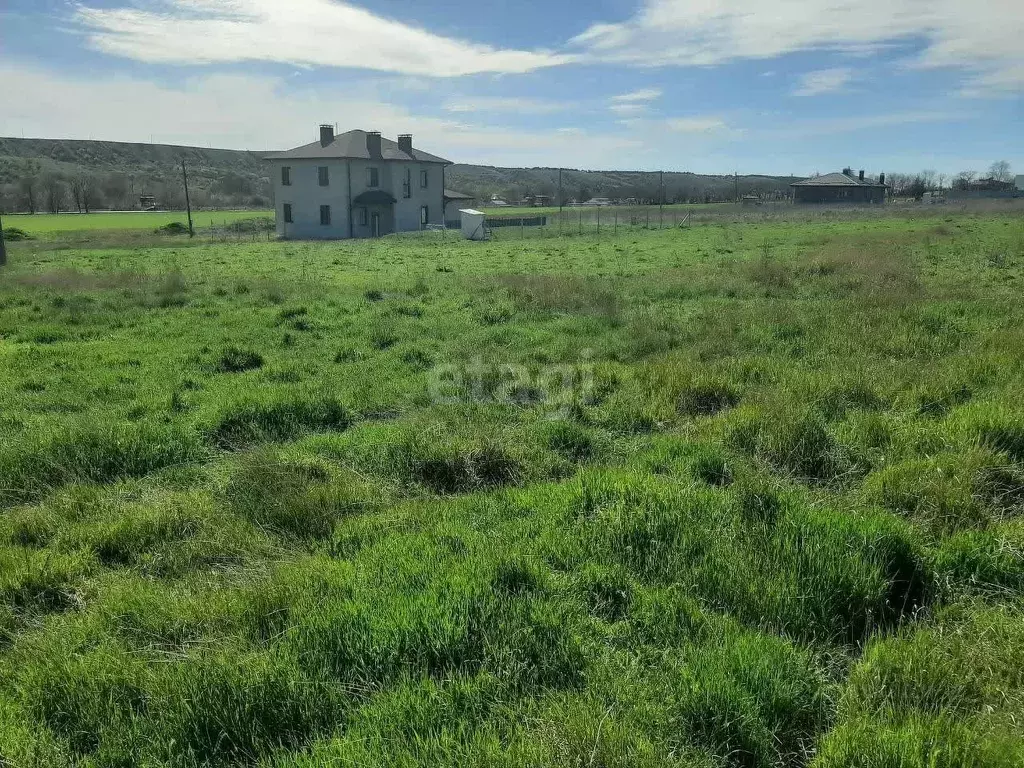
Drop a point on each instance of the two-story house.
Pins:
(356, 184)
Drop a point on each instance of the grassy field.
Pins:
(732, 495)
(45, 224)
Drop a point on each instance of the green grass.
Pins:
(42, 224)
(743, 494)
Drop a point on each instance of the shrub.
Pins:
(14, 234)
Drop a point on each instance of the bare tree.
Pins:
(1000, 171)
(54, 193)
(76, 192)
(964, 179)
(942, 178)
(28, 186)
(89, 191)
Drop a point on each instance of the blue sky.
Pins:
(711, 86)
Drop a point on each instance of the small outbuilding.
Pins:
(838, 188)
(474, 224)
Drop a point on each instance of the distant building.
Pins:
(497, 202)
(598, 201)
(356, 184)
(984, 189)
(535, 201)
(147, 202)
(1019, 184)
(842, 187)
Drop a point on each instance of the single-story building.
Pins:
(453, 203)
(983, 189)
(356, 184)
(840, 188)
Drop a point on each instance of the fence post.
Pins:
(615, 227)
(581, 221)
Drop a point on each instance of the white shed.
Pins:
(473, 224)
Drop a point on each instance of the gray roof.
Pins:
(352, 146)
(451, 194)
(837, 180)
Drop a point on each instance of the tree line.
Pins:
(34, 190)
(916, 184)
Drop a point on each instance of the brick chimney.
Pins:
(326, 135)
(405, 143)
(373, 143)
(881, 178)
(847, 172)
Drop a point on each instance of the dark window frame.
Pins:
(286, 175)
(424, 215)
(364, 216)
(372, 176)
(325, 215)
(424, 178)
(286, 213)
(407, 184)
(323, 175)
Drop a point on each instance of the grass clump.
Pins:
(798, 443)
(274, 418)
(235, 360)
(92, 453)
(291, 498)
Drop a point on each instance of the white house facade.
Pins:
(356, 184)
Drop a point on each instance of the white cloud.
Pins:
(698, 125)
(633, 97)
(983, 37)
(519, 105)
(269, 113)
(627, 109)
(634, 103)
(300, 32)
(823, 81)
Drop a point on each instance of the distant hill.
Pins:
(110, 174)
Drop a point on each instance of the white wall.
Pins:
(306, 196)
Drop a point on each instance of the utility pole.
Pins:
(559, 202)
(661, 200)
(3, 246)
(736, 182)
(188, 203)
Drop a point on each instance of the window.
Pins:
(325, 215)
(286, 176)
(287, 213)
(372, 178)
(407, 184)
(423, 179)
(364, 217)
(424, 216)
(322, 175)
